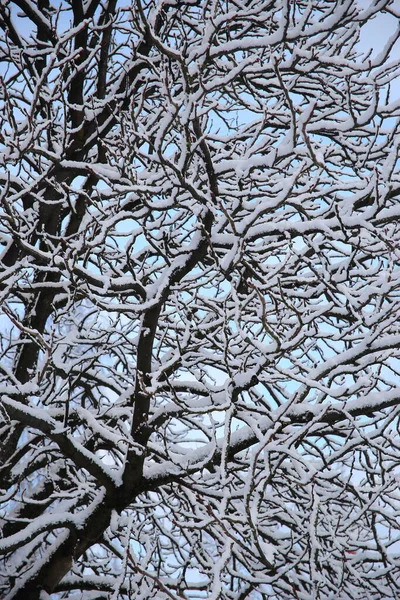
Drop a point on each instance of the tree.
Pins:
(200, 300)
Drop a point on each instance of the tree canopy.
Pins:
(200, 300)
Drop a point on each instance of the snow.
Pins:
(44, 523)
(199, 288)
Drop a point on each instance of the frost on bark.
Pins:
(199, 290)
